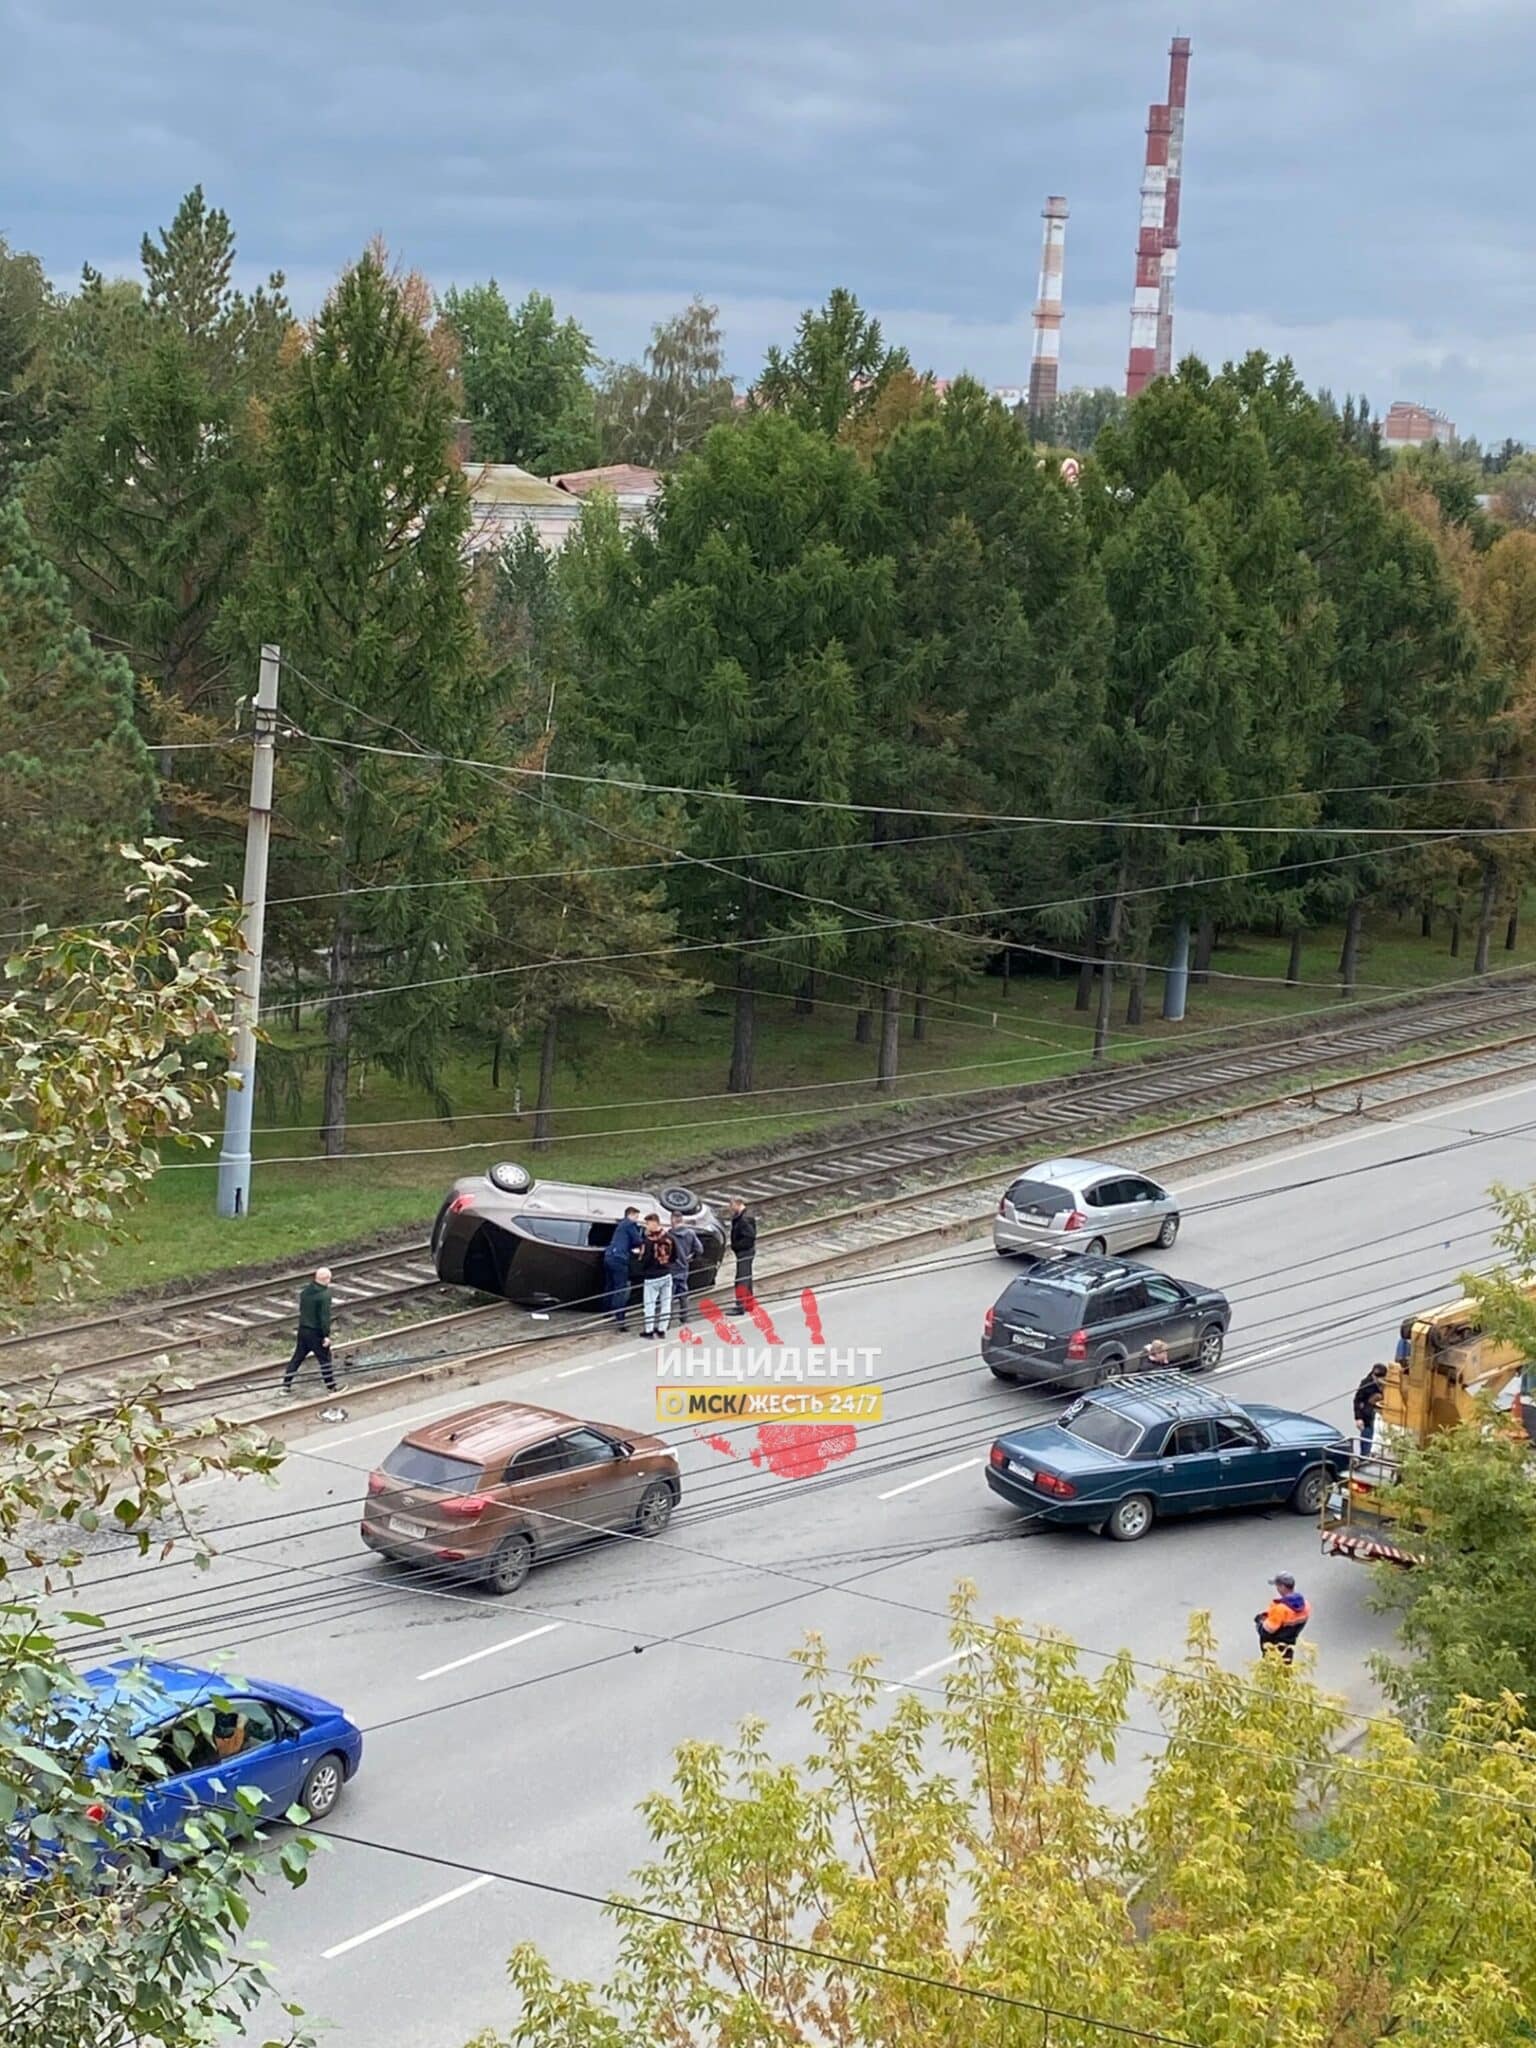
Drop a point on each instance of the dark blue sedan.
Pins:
(215, 1736)
(1136, 1449)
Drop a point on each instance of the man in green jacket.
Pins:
(314, 1329)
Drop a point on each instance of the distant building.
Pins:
(504, 499)
(1414, 426)
(635, 488)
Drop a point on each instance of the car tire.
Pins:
(511, 1178)
(1208, 1349)
(681, 1201)
(655, 1509)
(1131, 1519)
(1309, 1492)
(509, 1567)
(1169, 1232)
(322, 1785)
(1095, 1248)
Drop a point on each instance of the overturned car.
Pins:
(540, 1243)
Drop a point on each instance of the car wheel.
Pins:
(1095, 1247)
(655, 1509)
(1132, 1518)
(511, 1565)
(1310, 1491)
(511, 1178)
(1168, 1233)
(322, 1787)
(1208, 1351)
(681, 1201)
(1108, 1368)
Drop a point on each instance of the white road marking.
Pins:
(572, 1370)
(490, 1650)
(399, 1424)
(927, 1671)
(1247, 1358)
(928, 1479)
(459, 1891)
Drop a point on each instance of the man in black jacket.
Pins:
(314, 1330)
(744, 1245)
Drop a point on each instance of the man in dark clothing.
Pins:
(314, 1337)
(658, 1255)
(687, 1246)
(744, 1245)
(1283, 1619)
(619, 1263)
(1368, 1399)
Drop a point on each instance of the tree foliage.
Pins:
(835, 371)
(360, 576)
(656, 411)
(108, 1047)
(957, 1872)
(75, 778)
(27, 303)
(523, 376)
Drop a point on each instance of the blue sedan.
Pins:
(1154, 1445)
(215, 1736)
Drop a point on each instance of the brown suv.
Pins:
(499, 1487)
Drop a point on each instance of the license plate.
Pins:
(1024, 1472)
(1036, 1216)
(1029, 1343)
(402, 1528)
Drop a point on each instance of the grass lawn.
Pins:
(629, 1106)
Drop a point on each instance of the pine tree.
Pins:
(27, 304)
(75, 780)
(834, 372)
(523, 376)
(360, 576)
(732, 649)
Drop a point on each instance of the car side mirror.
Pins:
(623, 1450)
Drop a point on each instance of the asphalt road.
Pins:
(518, 1735)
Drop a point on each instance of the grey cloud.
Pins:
(1347, 190)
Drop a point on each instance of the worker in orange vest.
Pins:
(1283, 1619)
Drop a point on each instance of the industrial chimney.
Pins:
(1178, 92)
(1141, 365)
(1045, 369)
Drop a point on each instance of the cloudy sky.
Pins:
(1355, 188)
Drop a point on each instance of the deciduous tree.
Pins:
(959, 1871)
(523, 375)
(658, 410)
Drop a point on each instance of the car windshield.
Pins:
(1103, 1428)
(1039, 1194)
(430, 1468)
(1052, 1308)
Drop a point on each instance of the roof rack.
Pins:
(1170, 1392)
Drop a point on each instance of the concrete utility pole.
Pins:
(234, 1196)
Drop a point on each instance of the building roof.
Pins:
(503, 483)
(624, 479)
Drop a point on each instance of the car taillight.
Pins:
(96, 1813)
(463, 1507)
(1047, 1482)
(1077, 1345)
(1002, 1205)
(459, 1204)
(377, 1483)
(1074, 1220)
(997, 1456)
(989, 1322)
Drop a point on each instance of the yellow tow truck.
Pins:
(1444, 1371)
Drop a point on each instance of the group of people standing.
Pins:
(657, 1255)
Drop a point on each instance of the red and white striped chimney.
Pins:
(1178, 93)
(1045, 370)
(1142, 363)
